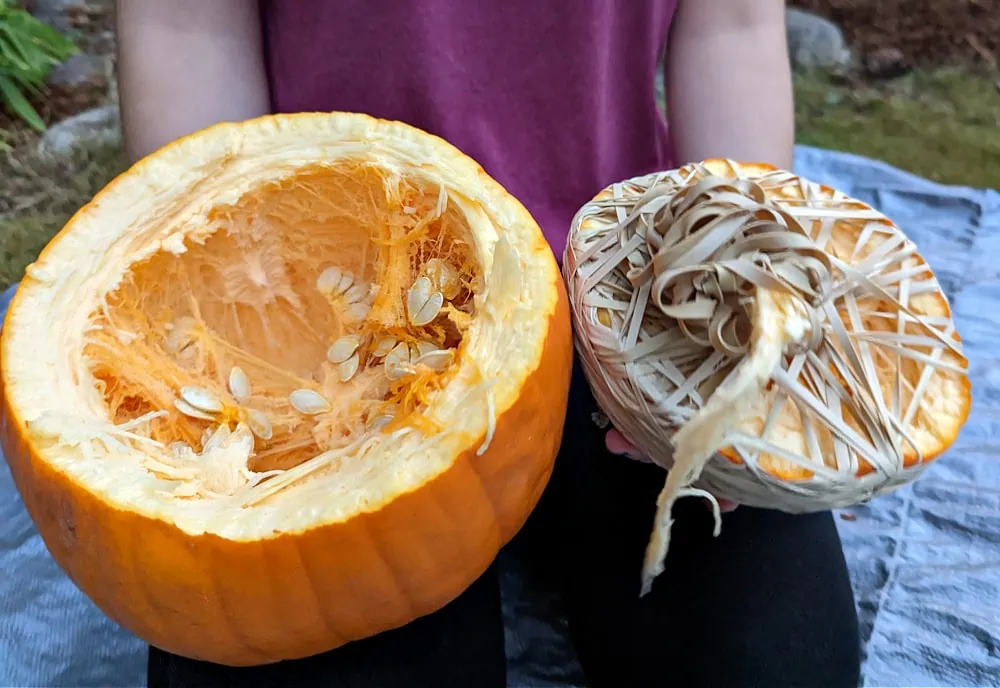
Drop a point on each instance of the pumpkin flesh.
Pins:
(207, 257)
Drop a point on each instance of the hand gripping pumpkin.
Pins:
(286, 383)
(767, 339)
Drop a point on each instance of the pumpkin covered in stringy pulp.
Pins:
(742, 312)
(285, 384)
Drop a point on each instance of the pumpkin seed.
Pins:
(357, 312)
(424, 347)
(349, 367)
(423, 305)
(328, 280)
(399, 355)
(379, 422)
(190, 411)
(180, 334)
(397, 362)
(343, 349)
(200, 398)
(437, 360)
(335, 282)
(477, 285)
(383, 346)
(397, 372)
(206, 435)
(259, 424)
(308, 402)
(215, 439)
(356, 294)
(239, 385)
(444, 277)
(345, 283)
(418, 293)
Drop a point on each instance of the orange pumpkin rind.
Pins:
(348, 545)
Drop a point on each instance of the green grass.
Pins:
(943, 125)
(40, 193)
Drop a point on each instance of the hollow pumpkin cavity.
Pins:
(285, 384)
(322, 311)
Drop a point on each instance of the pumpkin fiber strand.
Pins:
(206, 337)
(742, 310)
(285, 384)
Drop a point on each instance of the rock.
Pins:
(99, 126)
(81, 70)
(814, 41)
(59, 13)
(39, 7)
(51, 12)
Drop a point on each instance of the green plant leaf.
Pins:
(29, 87)
(30, 48)
(54, 42)
(12, 51)
(19, 105)
(26, 52)
(44, 36)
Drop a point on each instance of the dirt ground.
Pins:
(927, 33)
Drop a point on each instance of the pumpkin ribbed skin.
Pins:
(247, 601)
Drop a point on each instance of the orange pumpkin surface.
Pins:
(286, 383)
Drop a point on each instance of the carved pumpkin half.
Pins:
(286, 383)
(765, 338)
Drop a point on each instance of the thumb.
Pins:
(616, 443)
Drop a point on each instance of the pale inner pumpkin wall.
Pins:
(252, 297)
(177, 201)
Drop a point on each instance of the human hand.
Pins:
(617, 444)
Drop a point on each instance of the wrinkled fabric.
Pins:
(925, 560)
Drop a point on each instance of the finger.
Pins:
(616, 443)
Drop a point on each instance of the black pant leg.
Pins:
(768, 603)
(458, 646)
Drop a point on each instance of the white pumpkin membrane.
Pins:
(162, 205)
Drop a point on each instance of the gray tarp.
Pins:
(925, 560)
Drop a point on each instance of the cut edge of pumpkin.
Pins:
(218, 157)
(948, 426)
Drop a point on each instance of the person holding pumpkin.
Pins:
(555, 100)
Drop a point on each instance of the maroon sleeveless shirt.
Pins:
(554, 98)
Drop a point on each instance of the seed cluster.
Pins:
(200, 403)
(358, 348)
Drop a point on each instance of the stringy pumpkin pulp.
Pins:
(741, 310)
(285, 384)
(298, 324)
